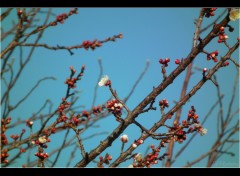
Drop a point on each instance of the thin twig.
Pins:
(137, 82)
(114, 93)
(192, 137)
(96, 86)
(131, 116)
(185, 83)
(61, 148)
(29, 93)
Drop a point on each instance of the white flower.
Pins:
(134, 145)
(42, 139)
(203, 131)
(119, 105)
(138, 157)
(225, 36)
(103, 81)
(124, 138)
(234, 14)
(196, 125)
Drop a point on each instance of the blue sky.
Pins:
(148, 34)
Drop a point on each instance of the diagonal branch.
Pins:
(185, 84)
(177, 106)
(131, 116)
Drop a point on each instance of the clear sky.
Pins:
(148, 34)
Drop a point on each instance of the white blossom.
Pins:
(203, 131)
(42, 139)
(134, 145)
(138, 157)
(118, 105)
(103, 81)
(234, 14)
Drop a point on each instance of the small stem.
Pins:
(164, 72)
(114, 93)
(214, 82)
(234, 62)
(122, 148)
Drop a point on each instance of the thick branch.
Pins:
(177, 106)
(131, 116)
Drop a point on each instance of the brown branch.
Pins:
(176, 107)
(61, 148)
(96, 86)
(214, 22)
(29, 93)
(164, 72)
(213, 156)
(138, 80)
(221, 151)
(201, 157)
(131, 116)
(33, 117)
(5, 14)
(25, 27)
(10, 31)
(150, 107)
(224, 125)
(141, 127)
(24, 64)
(69, 143)
(226, 44)
(185, 84)
(220, 117)
(234, 62)
(72, 155)
(69, 48)
(45, 25)
(214, 82)
(114, 93)
(129, 95)
(228, 120)
(7, 106)
(15, 157)
(17, 37)
(213, 149)
(77, 132)
(192, 137)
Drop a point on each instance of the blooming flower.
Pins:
(103, 81)
(134, 145)
(138, 157)
(203, 131)
(124, 138)
(119, 105)
(234, 14)
(42, 139)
